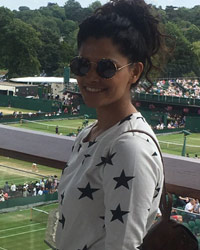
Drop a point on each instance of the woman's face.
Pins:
(98, 92)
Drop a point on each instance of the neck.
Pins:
(109, 116)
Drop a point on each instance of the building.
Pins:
(18, 89)
(55, 85)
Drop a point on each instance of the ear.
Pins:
(136, 71)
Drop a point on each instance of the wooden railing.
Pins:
(182, 174)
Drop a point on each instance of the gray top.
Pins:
(110, 189)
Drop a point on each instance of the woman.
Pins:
(110, 190)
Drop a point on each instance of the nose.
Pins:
(92, 74)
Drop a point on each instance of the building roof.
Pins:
(9, 84)
(42, 80)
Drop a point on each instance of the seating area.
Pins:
(186, 88)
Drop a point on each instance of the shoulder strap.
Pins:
(165, 204)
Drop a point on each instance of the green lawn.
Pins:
(9, 111)
(65, 126)
(18, 232)
(20, 177)
(173, 144)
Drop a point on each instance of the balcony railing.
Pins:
(182, 174)
(167, 99)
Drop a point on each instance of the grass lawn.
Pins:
(9, 111)
(65, 126)
(20, 177)
(173, 144)
(18, 232)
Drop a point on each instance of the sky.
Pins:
(35, 4)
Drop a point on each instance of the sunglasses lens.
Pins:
(106, 68)
(80, 66)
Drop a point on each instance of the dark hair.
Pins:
(131, 26)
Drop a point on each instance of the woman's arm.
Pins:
(132, 186)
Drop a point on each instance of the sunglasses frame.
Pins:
(96, 63)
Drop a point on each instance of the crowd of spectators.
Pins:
(43, 186)
(177, 87)
(173, 121)
(71, 104)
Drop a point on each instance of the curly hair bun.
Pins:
(131, 25)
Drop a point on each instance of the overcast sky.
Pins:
(35, 4)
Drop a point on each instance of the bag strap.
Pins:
(165, 203)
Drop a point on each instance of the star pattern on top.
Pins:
(85, 248)
(79, 147)
(154, 154)
(91, 143)
(140, 117)
(128, 118)
(118, 214)
(66, 166)
(62, 197)
(103, 218)
(86, 156)
(87, 191)
(157, 190)
(106, 160)
(123, 180)
(62, 221)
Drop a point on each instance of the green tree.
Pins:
(182, 61)
(20, 56)
(23, 8)
(95, 5)
(49, 52)
(192, 33)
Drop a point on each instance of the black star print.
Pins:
(79, 147)
(147, 140)
(157, 190)
(87, 191)
(91, 143)
(118, 213)
(62, 197)
(103, 218)
(141, 118)
(123, 180)
(62, 221)
(66, 165)
(154, 154)
(106, 160)
(125, 119)
(85, 248)
(86, 156)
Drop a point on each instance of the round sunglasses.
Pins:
(105, 68)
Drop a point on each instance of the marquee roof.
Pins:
(41, 79)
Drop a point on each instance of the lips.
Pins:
(94, 90)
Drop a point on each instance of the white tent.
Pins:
(41, 79)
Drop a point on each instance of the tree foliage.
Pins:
(45, 39)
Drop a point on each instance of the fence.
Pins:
(15, 203)
(32, 104)
(167, 99)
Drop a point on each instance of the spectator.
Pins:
(197, 207)
(13, 189)
(2, 196)
(40, 192)
(6, 188)
(176, 216)
(190, 206)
